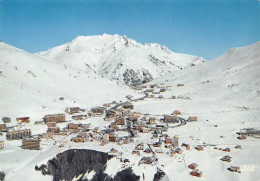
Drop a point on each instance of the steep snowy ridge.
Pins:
(31, 85)
(120, 58)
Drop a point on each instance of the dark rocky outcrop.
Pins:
(160, 175)
(2, 176)
(76, 163)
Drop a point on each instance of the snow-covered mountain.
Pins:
(32, 86)
(120, 58)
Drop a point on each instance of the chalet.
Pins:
(73, 127)
(20, 134)
(98, 110)
(151, 96)
(249, 131)
(226, 158)
(2, 144)
(152, 120)
(31, 144)
(196, 173)
(72, 110)
(140, 146)
(23, 120)
(2, 127)
(148, 90)
(168, 141)
(177, 112)
(112, 138)
(129, 97)
(178, 150)
(78, 139)
(38, 122)
(136, 114)
(51, 125)
(144, 130)
(96, 130)
(107, 105)
(157, 144)
(113, 151)
(226, 149)
(6, 119)
(241, 137)
(118, 112)
(120, 121)
(113, 125)
(133, 118)
(193, 166)
(53, 130)
(234, 169)
(153, 86)
(199, 148)
(238, 147)
(173, 97)
(128, 105)
(136, 152)
(193, 118)
(146, 160)
(170, 119)
(180, 85)
(147, 150)
(187, 146)
(77, 117)
(57, 118)
(162, 90)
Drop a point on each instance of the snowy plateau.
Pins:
(131, 112)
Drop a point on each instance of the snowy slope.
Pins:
(31, 86)
(120, 58)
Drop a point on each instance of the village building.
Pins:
(147, 150)
(98, 110)
(136, 152)
(140, 146)
(159, 151)
(136, 114)
(53, 130)
(133, 118)
(249, 131)
(20, 134)
(57, 118)
(6, 119)
(193, 166)
(199, 148)
(157, 144)
(120, 121)
(162, 90)
(128, 105)
(38, 122)
(113, 125)
(175, 141)
(31, 144)
(170, 119)
(73, 127)
(176, 112)
(77, 117)
(112, 138)
(152, 120)
(129, 97)
(172, 153)
(226, 158)
(2, 144)
(241, 137)
(196, 173)
(234, 169)
(168, 141)
(173, 97)
(107, 105)
(2, 127)
(187, 146)
(226, 149)
(149, 90)
(72, 110)
(193, 118)
(78, 139)
(146, 160)
(178, 150)
(47, 135)
(151, 96)
(156, 93)
(180, 85)
(238, 147)
(51, 124)
(23, 120)
(144, 130)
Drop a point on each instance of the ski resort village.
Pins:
(109, 108)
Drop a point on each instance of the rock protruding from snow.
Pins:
(120, 59)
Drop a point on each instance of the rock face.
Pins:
(2, 176)
(160, 176)
(77, 163)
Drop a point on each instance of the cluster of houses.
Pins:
(195, 171)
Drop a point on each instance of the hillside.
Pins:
(31, 86)
(120, 58)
